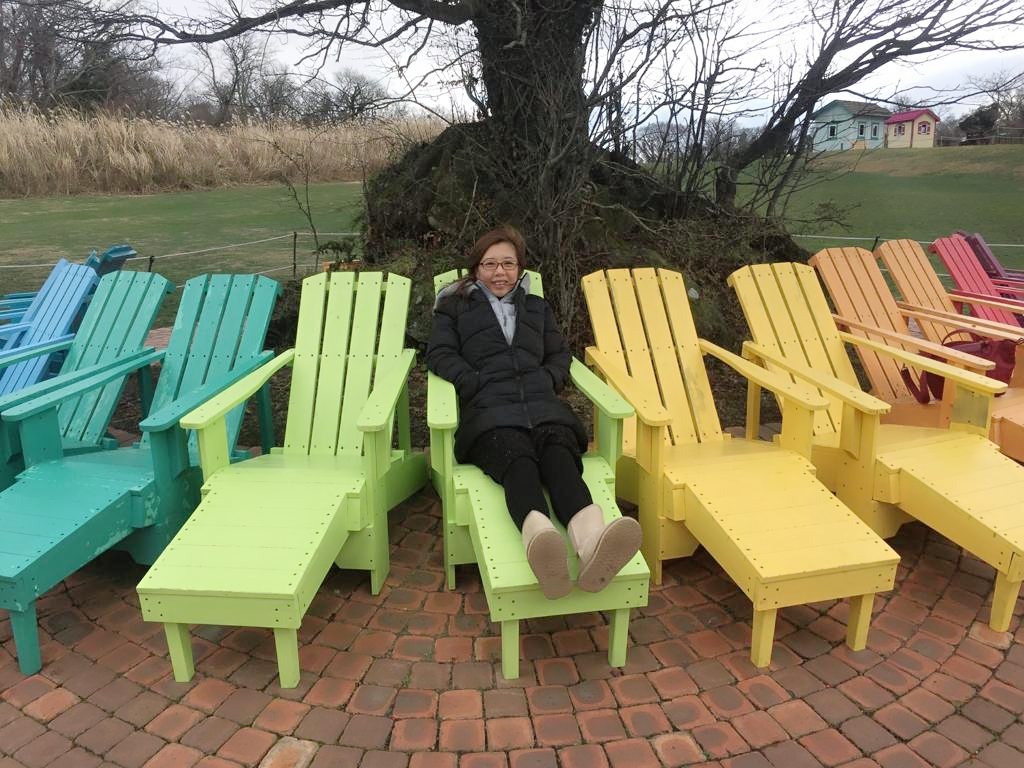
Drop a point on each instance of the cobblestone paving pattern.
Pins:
(410, 678)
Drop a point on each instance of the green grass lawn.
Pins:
(920, 194)
(40, 230)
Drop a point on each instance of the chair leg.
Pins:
(381, 555)
(650, 547)
(25, 628)
(510, 649)
(859, 622)
(762, 637)
(618, 637)
(179, 644)
(449, 576)
(1004, 599)
(287, 643)
(654, 565)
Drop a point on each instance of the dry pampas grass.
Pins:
(66, 153)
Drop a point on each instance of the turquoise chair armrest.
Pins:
(57, 383)
(80, 383)
(10, 330)
(172, 413)
(29, 351)
(380, 406)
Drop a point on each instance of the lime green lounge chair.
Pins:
(478, 528)
(268, 529)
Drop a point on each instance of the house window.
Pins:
(924, 128)
(861, 130)
(832, 130)
(900, 129)
(874, 130)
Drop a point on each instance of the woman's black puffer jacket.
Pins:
(501, 384)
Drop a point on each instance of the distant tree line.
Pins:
(68, 55)
(1002, 119)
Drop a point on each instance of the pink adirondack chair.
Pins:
(989, 261)
(972, 281)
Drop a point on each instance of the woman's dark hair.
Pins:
(503, 234)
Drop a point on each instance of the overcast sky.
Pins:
(924, 82)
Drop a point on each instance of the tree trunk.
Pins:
(532, 56)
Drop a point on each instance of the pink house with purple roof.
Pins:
(912, 129)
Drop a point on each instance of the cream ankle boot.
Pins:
(602, 549)
(545, 551)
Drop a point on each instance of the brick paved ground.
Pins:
(410, 679)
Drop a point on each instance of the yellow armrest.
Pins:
(647, 409)
(850, 395)
(803, 396)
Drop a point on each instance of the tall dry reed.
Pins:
(65, 153)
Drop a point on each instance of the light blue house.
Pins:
(843, 125)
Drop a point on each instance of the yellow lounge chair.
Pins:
(755, 506)
(953, 479)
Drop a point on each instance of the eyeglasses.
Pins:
(491, 266)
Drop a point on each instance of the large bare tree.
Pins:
(70, 53)
(553, 81)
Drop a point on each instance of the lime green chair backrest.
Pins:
(351, 328)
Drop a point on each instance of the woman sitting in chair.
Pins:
(502, 349)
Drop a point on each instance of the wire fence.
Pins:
(296, 263)
(297, 268)
(880, 239)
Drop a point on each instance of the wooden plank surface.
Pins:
(334, 350)
(362, 350)
(958, 257)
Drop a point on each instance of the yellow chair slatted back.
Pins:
(642, 321)
(787, 313)
(350, 328)
(917, 282)
(859, 292)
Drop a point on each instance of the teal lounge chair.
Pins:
(65, 510)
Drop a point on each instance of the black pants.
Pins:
(525, 462)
